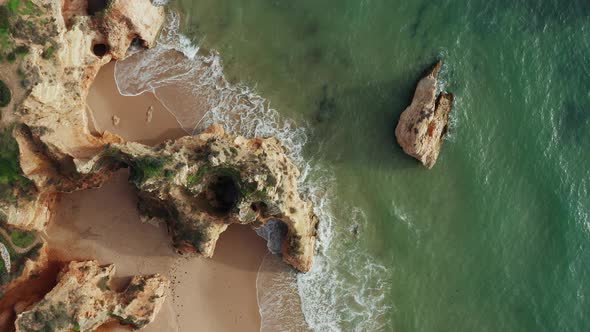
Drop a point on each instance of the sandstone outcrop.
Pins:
(58, 47)
(83, 300)
(201, 184)
(196, 185)
(423, 125)
(53, 130)
(57, 101)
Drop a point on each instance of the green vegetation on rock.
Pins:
(148, 167)
(16, 20)
(135, 288)
(12, 182)
(5, 40)
(103, 284)
(22, 239)
(5, 94)
(54, 318)
(131, 321)
(13, 5)
(20, 7)
(48, 53)
(17, 259)
(143, 167)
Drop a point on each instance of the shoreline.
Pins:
(104, 224)
(104, 101)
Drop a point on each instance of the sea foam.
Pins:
(346, 288)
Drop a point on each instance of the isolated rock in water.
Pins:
(201, 184)
(423, 125)
(82, 301)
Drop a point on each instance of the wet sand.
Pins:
(217, 294)
(104, 102)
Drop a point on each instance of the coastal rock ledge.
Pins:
(199, 185)
(423, 125)
(83, 301)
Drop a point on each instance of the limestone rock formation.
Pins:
(200, 184)
(67, 42)
(197, 185)
(61, 45)
(83, 300)
(57, 102)
(55, 143)
(423, 125)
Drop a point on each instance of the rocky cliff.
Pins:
(65, 43)
(201, 184)
(423, 125)
(56, 48)
(54, 142)
(196, 185)
(83, 301)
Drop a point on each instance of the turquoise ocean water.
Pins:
(497, 236)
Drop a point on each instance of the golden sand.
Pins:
(217, 294)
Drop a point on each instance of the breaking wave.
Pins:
(346, 288)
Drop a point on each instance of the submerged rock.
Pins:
(82, 301)
(423, 125)
(199, 185)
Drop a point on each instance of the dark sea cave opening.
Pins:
(221, 195)
(100, 50)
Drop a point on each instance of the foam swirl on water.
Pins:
(346, 288)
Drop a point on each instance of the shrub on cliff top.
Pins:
(11, 179)
(48, 53)
(5, 94)
(4, 15)
(22, 239)
(143, 168)
(13, 5)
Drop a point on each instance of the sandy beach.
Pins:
(217, 294)
(105, 102)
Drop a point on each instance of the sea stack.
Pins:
(423, 125)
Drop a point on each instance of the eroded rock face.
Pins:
(57, 102)
(423, 125)
(201, 184)
(67, 43)
(83, 300)
(64, 47)
(197, 185)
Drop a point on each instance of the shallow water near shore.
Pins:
(496, 236)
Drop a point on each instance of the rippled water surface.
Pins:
(497, 236)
